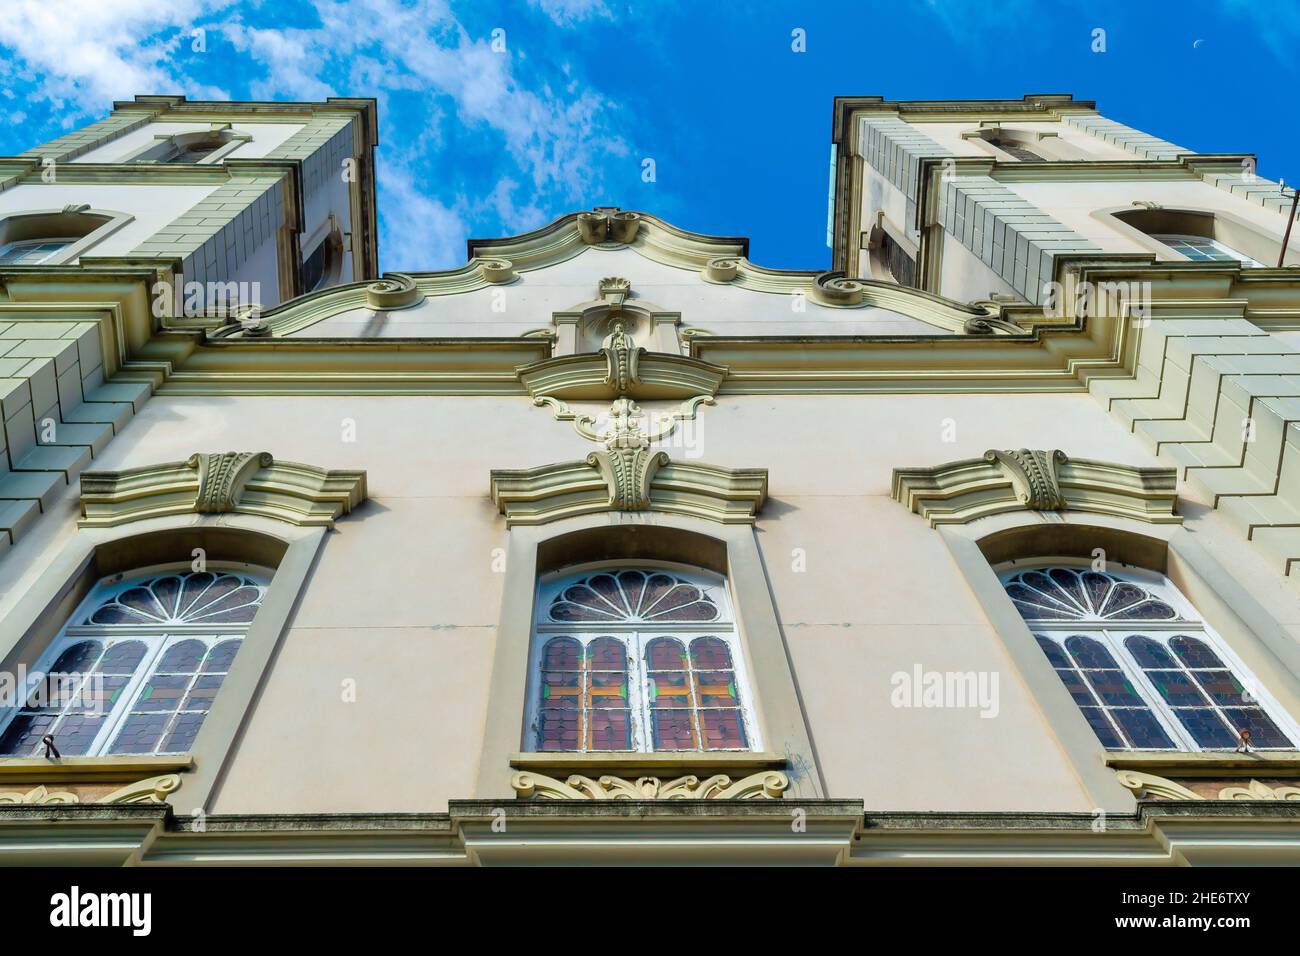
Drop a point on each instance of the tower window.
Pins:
(1205, 249)
(32, 251)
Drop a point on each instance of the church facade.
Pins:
(613, 546)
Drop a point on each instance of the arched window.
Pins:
(1198, 235)
(638, 659)
(137, 666)
(323, 266)
(55, 236)
(203, 147)
(1145, 671)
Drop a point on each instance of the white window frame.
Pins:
(157, 638)
(65, 242)
(1168, 238)
(635, 637)
(1112, 634)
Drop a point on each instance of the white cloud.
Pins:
(90, 52)
(417, 232)
(553, 134)
(566, 12)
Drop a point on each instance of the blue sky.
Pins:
(480, 142)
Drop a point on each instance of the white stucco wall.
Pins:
(266, 137)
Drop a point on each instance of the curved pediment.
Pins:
(511, 287)
(606, 375)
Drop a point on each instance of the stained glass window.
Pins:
(638, 659)
(137, 668)
(1165, 688)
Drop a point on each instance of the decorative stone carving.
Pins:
(602, 376)
(990, 324)
(222, 478)
(614, 290)
(151, 790)
(768, 785)
(832, 288)
(497, 270)
(1147, 785)
(627, 475)
(608, 225)
(1259, 791)
(37, 795)
(722, 269)
(229, 482)
(248, 319)
(395, 290)
(961, 491)
(1034, 475)
(621, 357)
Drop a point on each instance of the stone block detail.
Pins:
(57, 414)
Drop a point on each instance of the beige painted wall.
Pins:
(403, 599)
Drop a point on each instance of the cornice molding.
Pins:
(958, 492)
(611, 372)
(251, 483)
(628, 480)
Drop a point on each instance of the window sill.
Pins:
(125, 769)
(1215, 764)
(721, 761)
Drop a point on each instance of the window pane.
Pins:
(723, 730)
(1194, 653)
(1113, 687)
(1206, 727)
(1101, 726)
(1222, 687)
(1263, 732)
(1142, 729)
(673, 729)
(1177, 688)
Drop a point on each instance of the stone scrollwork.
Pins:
(252, 483)
(1034, 475)
(151, 790)
(222, 477)
(37, 795)
(395, 290)
(833, 288)
(497, 270)
(1148, 785)
(1259, 791)
(722, 269)
(608, 225)
(990, 325)
(626, 475)
(1024, 479)
(767, 785)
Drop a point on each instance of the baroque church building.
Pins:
(613, 546)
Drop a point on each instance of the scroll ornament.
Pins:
(222, 478)
(608, 225)
(151, 790)
(395, 290)
(768, 785)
